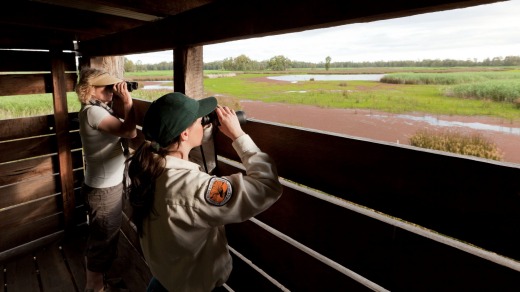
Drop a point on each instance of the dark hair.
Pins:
(145, 166)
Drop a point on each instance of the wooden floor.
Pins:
(60, 266)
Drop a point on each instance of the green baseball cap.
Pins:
(173, 113)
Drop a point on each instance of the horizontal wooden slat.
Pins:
(34, 189)
(32, 147)
(411, 263)
(78, 198)
(32, 126)
(75, 140)
(479, 200)
(73, 121)
(32, 61)
(29, 190)
(25, 127)
(370, 247)
(29, 169)
(33, 83)
(18, 235)
(293, 268)
(11, 218)
(244, 278)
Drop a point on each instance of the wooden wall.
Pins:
(364, 215)
(40, 157)
(392, 217)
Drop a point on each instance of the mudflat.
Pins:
(383, 126)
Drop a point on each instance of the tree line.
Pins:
(282, 63)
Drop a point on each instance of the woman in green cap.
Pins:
(179, 210)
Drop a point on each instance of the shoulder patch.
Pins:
(219, 191)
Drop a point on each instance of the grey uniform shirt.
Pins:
(185, 243)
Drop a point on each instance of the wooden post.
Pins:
(189, 71)
(180, 60)
(114, 65)
(61, 120)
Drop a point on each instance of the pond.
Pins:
(288, 78)
(477, 126)
(328, 77)
(157, 85)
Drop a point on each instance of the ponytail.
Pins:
(145, 166)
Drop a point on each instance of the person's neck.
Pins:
(180, 152)
(102, 101)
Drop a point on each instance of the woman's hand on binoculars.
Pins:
(121, 90)
(229, 124)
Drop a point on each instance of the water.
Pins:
(374, 77)
(158, 86)
(478, 126)
(294, 79)
(328, 77)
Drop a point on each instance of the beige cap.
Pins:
(104, 79)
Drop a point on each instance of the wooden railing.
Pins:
(355, 214)
(31, 200)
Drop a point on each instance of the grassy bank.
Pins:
(451, 93)
(393, 98)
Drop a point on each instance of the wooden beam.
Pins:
(33, 61)
(61, 117)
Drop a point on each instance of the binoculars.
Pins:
(131, 85)
(212, 118)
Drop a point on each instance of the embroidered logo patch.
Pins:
(219, 191)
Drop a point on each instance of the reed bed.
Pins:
(456, 142)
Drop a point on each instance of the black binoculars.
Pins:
(212, 118)
(130, 85)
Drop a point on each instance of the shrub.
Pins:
(516, 102)
(454, 142)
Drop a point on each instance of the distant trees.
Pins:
(279, 63)
(139, 66)
(327, 63)
(129, 66)
(240, 63)
(282, 63)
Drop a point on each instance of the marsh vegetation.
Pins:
(493, 93)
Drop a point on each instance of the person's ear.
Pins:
(185, 135)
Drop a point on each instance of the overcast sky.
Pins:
(480, 32)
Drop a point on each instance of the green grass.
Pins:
(448, 78)
(495, 90)
(33, 105)
(488, 94)
(393, 98)
(160, 75)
